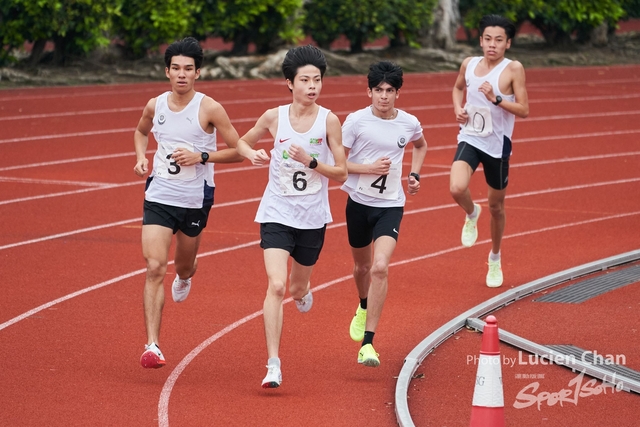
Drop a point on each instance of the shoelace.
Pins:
(494, 267)
(182, 284)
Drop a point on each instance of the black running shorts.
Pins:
(303, 245)
(496, 171)
(366, 223)
(190, 221)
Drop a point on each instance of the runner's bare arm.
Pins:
(458, 93)
(267, 122)
(141, 138)
(417, 159)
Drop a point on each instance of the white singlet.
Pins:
(369, 138)
(297, 196)
(169, 183)
(489, 127)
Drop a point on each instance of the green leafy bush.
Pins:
(144, 25)
(266, 23)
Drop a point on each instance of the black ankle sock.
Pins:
(363, 303)
(368, 337)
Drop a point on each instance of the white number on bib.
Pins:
(479, 121)
(169, 169)
(296, 180)
(381, 186)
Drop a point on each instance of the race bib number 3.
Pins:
(296, 180)
(479, 121)
(167, 168)
(381, 186)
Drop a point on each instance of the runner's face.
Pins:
(182, 73)
(383, 98)
(306, 85)
(494, 43)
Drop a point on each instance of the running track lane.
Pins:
(575, 162)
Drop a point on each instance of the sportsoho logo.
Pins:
(577, 388)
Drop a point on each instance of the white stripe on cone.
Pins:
(488, 388)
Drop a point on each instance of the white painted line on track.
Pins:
(165, 395)
(332, 188)
(447, 125)
(332, 226)
(253, 119)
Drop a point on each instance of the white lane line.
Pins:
(155, 88)
(253, 119)
(432, 126)
(445, 173)
(337, 225)
(53, 182)
(165, 395)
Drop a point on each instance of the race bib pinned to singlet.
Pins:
(381, 186)
(297, 180)
(169, 169)
(479, 121)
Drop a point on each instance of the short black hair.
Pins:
(497, 21)
(186, 47)
(385, 72)
(301, 56)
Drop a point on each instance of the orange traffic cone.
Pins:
(488, 399)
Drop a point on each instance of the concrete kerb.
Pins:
(426, 346)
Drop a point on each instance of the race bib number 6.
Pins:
(296, 180)
(169, 169)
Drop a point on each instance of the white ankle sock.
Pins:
(474, 213)
(494, 257)
(274, 361)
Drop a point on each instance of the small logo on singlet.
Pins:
(402, 141)
(161, 119)
(284, 140)
(285, 155)
(315, 141)
(190, 120)
(467, 82)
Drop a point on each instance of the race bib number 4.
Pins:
(169, 169)
(479, 121)
(381, 186)
(296, 180)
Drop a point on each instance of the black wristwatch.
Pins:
(498, 100)
(313, 163)
(415, 175)
(204, 156)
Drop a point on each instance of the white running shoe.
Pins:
(152, 357)
(180, 289)
(273, 378)
(305, 303)
(494, 276)
(470, 229)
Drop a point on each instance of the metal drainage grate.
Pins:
(589, 288)
(588, 357)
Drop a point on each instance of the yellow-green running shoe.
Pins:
(470, 229)
(368, 356)
(494, 276)
(358, 323)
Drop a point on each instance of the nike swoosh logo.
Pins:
(395, 231)
(284, 140)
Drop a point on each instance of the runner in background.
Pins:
(495, 95)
